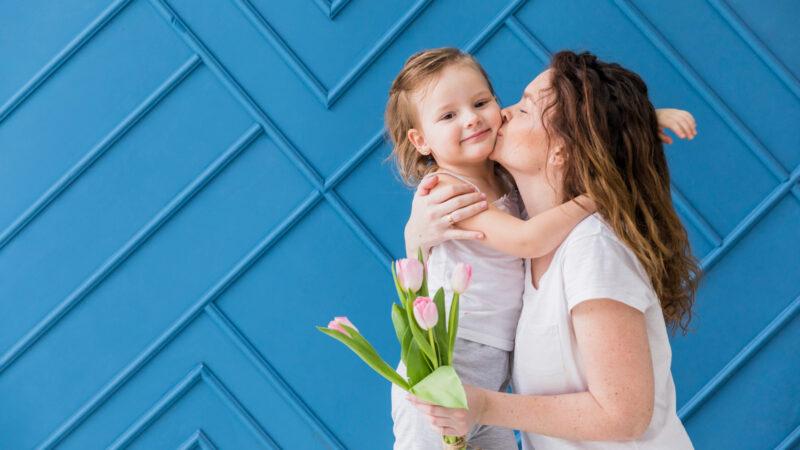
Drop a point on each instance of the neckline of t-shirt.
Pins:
(503, 197)
(529, 276)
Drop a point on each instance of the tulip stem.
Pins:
(433, 346)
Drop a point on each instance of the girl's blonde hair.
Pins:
(401, 114)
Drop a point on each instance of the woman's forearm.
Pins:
(414, 242)
(575, 416)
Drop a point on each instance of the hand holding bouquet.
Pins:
(426, 338)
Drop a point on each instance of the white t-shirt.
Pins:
(591, 263)
(489, 308)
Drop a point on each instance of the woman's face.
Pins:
(522, 144)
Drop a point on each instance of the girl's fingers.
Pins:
(685, 130)
(664, 137)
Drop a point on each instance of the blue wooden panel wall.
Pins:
(187, 187)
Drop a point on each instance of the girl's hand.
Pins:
(679, 121)
(434, 213)
(453, 421)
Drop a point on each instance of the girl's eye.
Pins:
(481, 103)
(447, 116)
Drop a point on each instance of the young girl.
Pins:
(443, 119)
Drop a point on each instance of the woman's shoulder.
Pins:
(594, 234)
(593, 226)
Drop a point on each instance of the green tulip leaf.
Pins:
(423, 291)
(417, 365)
(452, 329)
(400, 321)
(367, 353)
(440, 329)
(443, 388)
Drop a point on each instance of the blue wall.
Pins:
(189, 186)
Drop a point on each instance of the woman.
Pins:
(592, 355)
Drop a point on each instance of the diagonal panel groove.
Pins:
(63, 56)
(380, 47)
(271, 374)
(791, 441)
(236, 406)
(738, 361)
(638, 19)
(328, 98)
(490, 29)
(283, 49)
(182, 322)
(197, 439)
(331, 8)
(170, 398)
(100, 149)
(204, 373)
(129, 248)
(751, 220)
(694, 216)
(759, 48)
(272, 131)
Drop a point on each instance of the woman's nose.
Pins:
(506, 114)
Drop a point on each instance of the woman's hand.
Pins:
(453, 421)
(679, 121)
(434, 213)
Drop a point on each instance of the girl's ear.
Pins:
(418, 141)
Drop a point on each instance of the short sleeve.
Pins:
(598, 266)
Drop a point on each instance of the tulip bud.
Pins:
(425, 312)
(409, 274)
(334, 325)
(460, 279)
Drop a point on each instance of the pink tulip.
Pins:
(425, 312)
(409, 273)
(334, 325)
(460, 279)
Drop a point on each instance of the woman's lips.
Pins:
(477, 135)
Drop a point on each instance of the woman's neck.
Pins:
(538, 194)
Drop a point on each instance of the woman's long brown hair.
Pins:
(601, 114)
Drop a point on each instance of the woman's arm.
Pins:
(532, 238)
(429, 222)
(612, 340)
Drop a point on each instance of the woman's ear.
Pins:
(558, 157)
(418, 141)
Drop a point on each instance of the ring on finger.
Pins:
(450, 219)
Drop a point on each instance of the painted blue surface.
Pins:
(189, 187)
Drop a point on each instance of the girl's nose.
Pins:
(472, 120)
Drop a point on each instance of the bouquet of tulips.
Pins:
(426, 338)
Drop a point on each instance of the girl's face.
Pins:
(458, 118)
(522, 144)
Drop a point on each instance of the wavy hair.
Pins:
(401, 112)
(601, 114)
